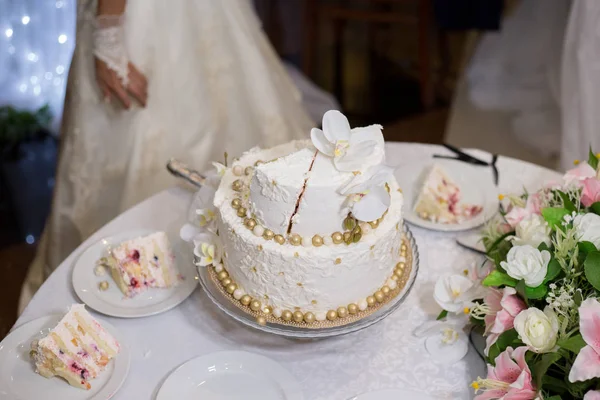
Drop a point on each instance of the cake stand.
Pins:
(225, 304)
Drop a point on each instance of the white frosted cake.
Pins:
(77, 349)
(440, 199)
(311, 230)
(142, 263)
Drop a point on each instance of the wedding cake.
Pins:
(309, 231)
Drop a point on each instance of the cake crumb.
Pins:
(103, 285)
(99, 270)
(338, 261)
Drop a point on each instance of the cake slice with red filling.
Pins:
(144, 262)
(77, 349)
(440, 200)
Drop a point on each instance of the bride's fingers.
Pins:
(136, 76)
(138, 93)
(120, 92)
(105, 91)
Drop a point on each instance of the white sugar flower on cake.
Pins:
(207, 249)
(350, 148)
(369, 198)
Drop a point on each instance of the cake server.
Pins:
(472, 241)
(180, 170)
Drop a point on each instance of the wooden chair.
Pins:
(375, 12)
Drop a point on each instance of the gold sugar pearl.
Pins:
(279, 239)
(257, 163)
(287, 315)
(268, 234)
(347, 237)
(342, 312)
(400, 265)
(337, 237)
(398, 273)
(237, 185)
(352, 308)
(267, 310)
(255, 305)
(250, 223)
(374, 224)
(337, 261)
(349, 223)
(309, 318)
(298, 316)
(222, 275)
(371, 301)
(403, 247)
(295, 240)
(238, 170)
(356, 237)
(248, 171)
(226, 282)
(385, 290)
(236, 203)
(317, 241)
(241, 212)
(379, 296)
(245, 300)
(231, 288)
(332, 315)
(262, 321)
(395, 277)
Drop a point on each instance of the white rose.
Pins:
(455, 292)
(537, 329)
(527, 263)
(532, 231)
(587, 228)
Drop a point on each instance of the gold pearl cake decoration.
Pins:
(344, 314)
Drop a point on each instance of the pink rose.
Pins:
(510, 379)
(591, 191)
(517, 214)
(580, 173)
(504, 306)
(592, 395)
(587, 363)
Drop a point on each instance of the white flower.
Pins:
(532, 231)
(537, 329)
(207, 218)
(350, 149)
(455, 293)
(587, 228)
(369, 199)
(527, 263)
(221, 168)
(208, 249)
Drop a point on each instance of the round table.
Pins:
(386, 355)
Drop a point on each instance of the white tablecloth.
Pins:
(385, 355)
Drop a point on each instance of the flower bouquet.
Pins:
(538, 297)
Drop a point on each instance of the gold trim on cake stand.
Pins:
(218, 290)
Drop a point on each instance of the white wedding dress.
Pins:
(215, 85)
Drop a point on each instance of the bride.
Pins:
(151, 80)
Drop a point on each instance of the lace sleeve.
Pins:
(109, 44)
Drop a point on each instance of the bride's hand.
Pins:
(111, 85)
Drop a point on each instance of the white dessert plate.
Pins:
(230, 375)
(475, 182)
(395, 394)
(19, 381)
(112, 301)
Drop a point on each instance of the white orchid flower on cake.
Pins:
(208, 249)
(368, 196)
(350, 148)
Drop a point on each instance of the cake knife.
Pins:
(180, 170)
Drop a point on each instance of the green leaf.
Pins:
(595, 208)
(573, 344)
(554, 215)
(592, 159)
(442, 315)
(586, 247)
(508, 338)
(536, 292)
(592, 269)
(567, 202)
(541, 367)
(543, 246)
(497, 242)
(493, 353)
(554, 269)
(521, 291)
(578, 297)
(497, 278)
(554, 384)
(555, 397)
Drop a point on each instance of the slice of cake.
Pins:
(144, 262)
(439, 200)
(77, 349)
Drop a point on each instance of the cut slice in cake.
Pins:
(77, 349)
(143, 262)
(439, 200)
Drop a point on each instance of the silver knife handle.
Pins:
(180, 170)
